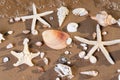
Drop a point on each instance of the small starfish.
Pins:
(35, 17)
(99, 44)
(25, 56)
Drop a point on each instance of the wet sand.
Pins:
(86, 27)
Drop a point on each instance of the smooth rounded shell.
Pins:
(55, 39)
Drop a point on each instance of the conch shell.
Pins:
(55, 39)
(104, 19)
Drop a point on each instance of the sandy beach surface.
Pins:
(12, 8)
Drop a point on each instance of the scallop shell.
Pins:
(55, 39)
(80, 11)
(104, 19)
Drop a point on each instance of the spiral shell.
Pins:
(55, 39)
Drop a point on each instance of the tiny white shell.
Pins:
(10, 32)
(42, 54)
(38, 43)
(80, 11)
(104, 33)
(26, 31)
(93, 59)
(11, 20)
(17, 19)
(5, 59)
(46, 60)
(85, 48)
(72, 27)
(69, 41)
(57, 78)
(82, 54)
(67, 52)
(118, 70)
(119, 77)
(51, 18)
(68, 62)
(83, 44)
(90, 73)
(10, 45)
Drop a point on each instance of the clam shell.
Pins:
(55, 39)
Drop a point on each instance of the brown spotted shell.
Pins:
(55, 39)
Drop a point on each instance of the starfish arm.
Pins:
(111, 42)
(33, 30)
(45, 13)
(43, 22)
(34, 54)
(34, 9)
(17, 55)
(93, 49)
(85, 40)
(106, 54)
(29, 63)
(99, 37)
(18, 63)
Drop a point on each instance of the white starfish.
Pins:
(25, 56)
(99, 44)
(35, 17)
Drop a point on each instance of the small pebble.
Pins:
(10, 45)
(85, 48)
(5, 59)
(42, 54)
(26, 31)
(51, 18)
(104, 33)
(11, 20)
(83, 44)
(118, 70)
(67, 52)
(38, 43)
(10, 32)
(69, 41)
(68, 62)
(93, 59)
(17, 19)
(82, 54)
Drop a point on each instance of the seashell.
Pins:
(42, 54)
(46, 60)
(90, 73)
(63, 60)
(64, 70)
(38, 43)
(104, 33)
(69, 41)
(104, 19)
(118, 70)
(5, 59)
(57, 78)
(10, 45)
(80, 11)
(26, 31)
(119, 77)
(55, 39)
(1, 37)
(93, 59)
(62, 13)
(67, 52)
(72, 27)
(82, 54)
(84, 46)
(10, 32)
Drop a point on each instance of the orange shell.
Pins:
(55, 39)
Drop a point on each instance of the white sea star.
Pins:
(99, 44)
(35, 17)
(25, 56)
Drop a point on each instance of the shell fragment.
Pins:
(1, 38)
(10, 45)
(72, 27)
(93, 59)
(90, 73)
(80, 11)
(5, 59)
(82, 54)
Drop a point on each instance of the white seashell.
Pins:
(72, 27)
(46, 60)
(68, 62)
(93, 59)
(90, 73)
(51, 18)
(10, 45)
(85, 48)
(11, 20)
(5, 59)
(118, 70)
(69, 41)
(63, 70)
(104, 19)
(38, 43)
(62, 13)
(57, 78)
(26, 31)
(83, 44)
(42, 54)
(80, 11)
(17, 19)
(119, 77)
(82, 54)
(118, 22)
(1, 38)
(10, 32)
(67, 52)
(104, 33)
